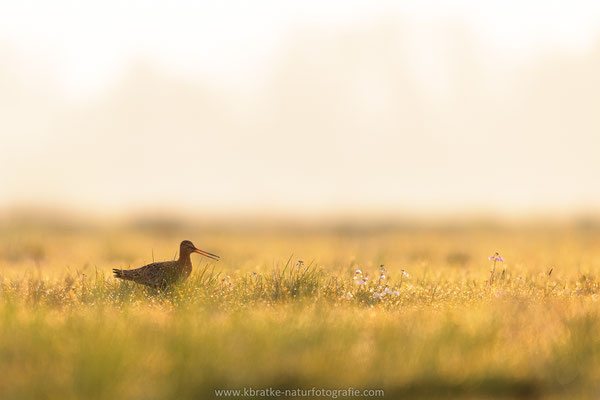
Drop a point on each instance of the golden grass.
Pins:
(69, 330)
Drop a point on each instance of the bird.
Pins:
(165, 274)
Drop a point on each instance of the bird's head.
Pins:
(188, 247)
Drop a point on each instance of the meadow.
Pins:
(301, 306)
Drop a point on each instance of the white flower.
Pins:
(349, 295)
(361, 281)
(376, 295)
(404, 273)
(387, 290)
(382, 277)
(396, 293)
(358, 271)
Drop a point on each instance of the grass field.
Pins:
(433, 326)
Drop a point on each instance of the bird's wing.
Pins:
(152, 274)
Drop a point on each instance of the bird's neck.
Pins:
(184, 258)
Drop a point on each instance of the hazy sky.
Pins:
(311, 106)
(88, 44)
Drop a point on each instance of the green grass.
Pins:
(441, 332)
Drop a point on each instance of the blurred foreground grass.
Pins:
(260, 319)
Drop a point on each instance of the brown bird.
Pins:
(164, 274)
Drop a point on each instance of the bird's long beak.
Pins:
(206, 254)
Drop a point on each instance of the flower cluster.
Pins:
(384, 289)
(360, 278)
(496, 257)
(383, 273)
(375, 289)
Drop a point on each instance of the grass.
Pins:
(261, 319)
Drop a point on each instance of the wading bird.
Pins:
(164, 274)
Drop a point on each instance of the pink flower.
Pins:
(496, 257)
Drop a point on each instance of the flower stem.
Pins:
(493, 272)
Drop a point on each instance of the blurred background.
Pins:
(300, 109)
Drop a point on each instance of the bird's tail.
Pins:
(121, 274)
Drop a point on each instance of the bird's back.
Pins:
(158, 274)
